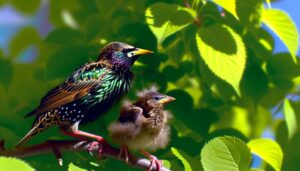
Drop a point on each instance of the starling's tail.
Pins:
(30, 114)
(30, 134)
(41, 123)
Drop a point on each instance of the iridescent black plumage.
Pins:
(89, 92)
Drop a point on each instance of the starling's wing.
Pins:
(75, 87)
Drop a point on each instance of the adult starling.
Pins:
(88, 93)
(143, 125)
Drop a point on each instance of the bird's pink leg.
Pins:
(84, 135)
(124, 151)
(153, 159)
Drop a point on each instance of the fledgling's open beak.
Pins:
(166, 100)
(138, 51)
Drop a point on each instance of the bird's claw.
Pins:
(124, 151)
(154, 161)
(98, 144)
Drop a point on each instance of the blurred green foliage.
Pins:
(217, 62)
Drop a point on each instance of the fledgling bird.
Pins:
(143, 125)
(87, 93)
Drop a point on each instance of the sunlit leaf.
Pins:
(167, 164)
(284, 27)
(72, 167)
(166, 19)
(255, 169)
(69, 19)
(224, 52)
(185, 162)
(8, 163)
(269, 3)
(237, 118)
(225, 153)
(290, 118)
(228, 5)
(268, 150)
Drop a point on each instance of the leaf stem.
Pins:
(196, 20)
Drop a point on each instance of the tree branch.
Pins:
(57, 147)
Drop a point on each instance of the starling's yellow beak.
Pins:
(166, 99)
(138, 51)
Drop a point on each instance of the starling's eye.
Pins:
(128, 50)
(125, 50)
(130, 54)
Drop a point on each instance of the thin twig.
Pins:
(57, 147)
(187, 4)
(196, 20)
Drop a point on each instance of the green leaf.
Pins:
(282, 69)
(184, 131)
(8, 164)
(72, 167)
(65, 60)
(290, 118)
(64, 36)
(6, 71)
(2, 2)
(228, 5)
(225, 153)
(166, 19)
(249, 14)
(268, 150)
(167, 164)
(284, 27)
(224, 52)
(23, 39)
(178, 154)
(237, 118)
(255, 169)
(29, 7)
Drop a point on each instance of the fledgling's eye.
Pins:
(156, 97)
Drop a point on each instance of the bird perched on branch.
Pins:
(88, 93)
(143, 125)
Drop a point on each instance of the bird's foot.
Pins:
(97, 144)
(154, 161)
(124, 152)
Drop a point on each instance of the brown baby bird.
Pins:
(143, 125)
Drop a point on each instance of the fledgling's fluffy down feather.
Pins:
(143, 124)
